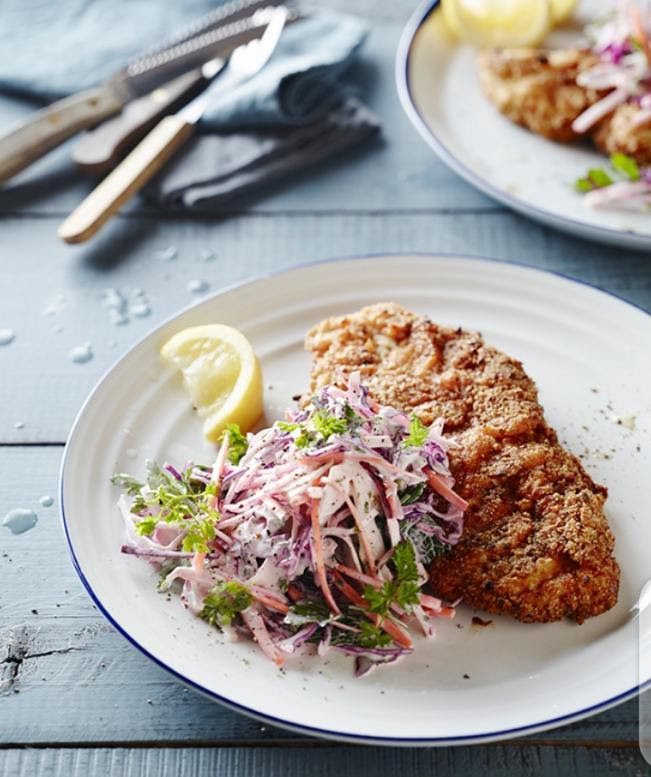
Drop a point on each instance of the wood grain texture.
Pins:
(125, 257)
(67, 676)
(128, 178)
(491, 761)
(69, 684)
(398, 170)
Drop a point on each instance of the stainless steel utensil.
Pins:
(168, 135)
(216, 35)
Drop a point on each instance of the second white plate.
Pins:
(439, 89)
(589, 355)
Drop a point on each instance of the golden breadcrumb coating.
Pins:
(619, 134)
(536, 544)
(537, 89)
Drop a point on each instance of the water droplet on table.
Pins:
(207, 255)
(57, 329)
(7, 336)
(116, 304)
(54, 305)
(140, 309)
(167, 254)
(19, 425)
(20, 520)
(132, 453)
(197, 286)
(46, 501)
(81, 354)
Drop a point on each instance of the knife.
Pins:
(169, 135)
(217, 34)
(100, 149)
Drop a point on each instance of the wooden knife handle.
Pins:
(44, 130)
(127, 179)
(99, 150)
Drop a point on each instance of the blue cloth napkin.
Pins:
(291, 115)
(53, 48)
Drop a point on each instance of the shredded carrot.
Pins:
(392, 629)
(436, 482)
(293, 593)
(640, 30)
(431, 602)
(317, 544)
(269, 601)
(359, 576)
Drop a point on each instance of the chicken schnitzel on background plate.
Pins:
(483, 676)
(439, 85)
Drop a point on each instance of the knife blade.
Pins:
(232, 25)
(100, 149)
(167, 137)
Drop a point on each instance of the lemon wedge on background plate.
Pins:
(562, 10)
(221, 373)
(500, 22)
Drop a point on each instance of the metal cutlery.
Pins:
(169, 134)
(215, 35)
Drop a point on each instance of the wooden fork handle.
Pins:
(129, 177)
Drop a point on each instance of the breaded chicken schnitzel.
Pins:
(537, 89)
(536, 544)
(621, 133)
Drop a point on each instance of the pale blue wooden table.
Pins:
(75, 698)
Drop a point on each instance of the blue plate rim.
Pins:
(548, 218)
(280, 722)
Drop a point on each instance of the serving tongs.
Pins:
(215, 35)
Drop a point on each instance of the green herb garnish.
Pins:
(625, 165)
(403, 590)
(237, 443)
(224, 602)
(622, 166)
(411, 494)
(326, 425)
(417, 433)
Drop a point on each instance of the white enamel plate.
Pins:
(440, 91)
(589, 355)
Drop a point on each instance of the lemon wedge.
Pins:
(499, 22)
(221, 373)
(561, 10)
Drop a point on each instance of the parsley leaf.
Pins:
(176, 499)
(583, 185)
(237, 443)
(599, 177)
(226, 600)
(372, 636)
(127, 483)
(326, 425)
(146, 527)
(411, 494)
(200, 532)
(625, 165)
(417, 433)
(307, 611)
(286, 426)
(403, 589)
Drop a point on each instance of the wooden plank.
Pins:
(125, 257)
(67, 676)
(398, 170)
(344, 761)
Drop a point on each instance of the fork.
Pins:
(170, 134)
